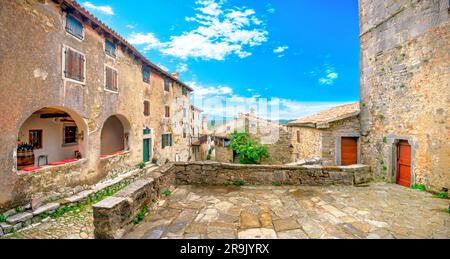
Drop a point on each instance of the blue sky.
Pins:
(302, 56)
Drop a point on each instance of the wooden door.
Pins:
(404, 164)
(349, 151)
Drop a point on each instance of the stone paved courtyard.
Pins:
(379, 211)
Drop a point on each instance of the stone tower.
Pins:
(405, 89)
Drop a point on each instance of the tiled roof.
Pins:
(333, 114)
(94, 20)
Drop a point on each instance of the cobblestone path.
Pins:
(378, 211)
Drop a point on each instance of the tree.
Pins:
(249, 150)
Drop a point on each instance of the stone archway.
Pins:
(51, 136)
(115, 136)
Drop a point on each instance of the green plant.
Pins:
(420, 187)
(167, 192)
(447, 210)
(2, 218)
(385, 140)
(141, 215)
(278, 184)
(141, 165)
(441, 195)
(249, 151)
(235, 183)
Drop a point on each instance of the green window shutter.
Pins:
(170, 139)
(163, 141)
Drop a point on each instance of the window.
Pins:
(74, 65)
(184, 113)
(70, 135)
(35, 138)
(167, 111)
(146, 75)
(146, 108)
(110, 48)
(184, 133)
(166, 85)
(184, 91)
(298, 136)
(74, 27)
(166, 140)
(111, 79)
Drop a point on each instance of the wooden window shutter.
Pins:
(146, 108)
(170, 139)
(163, 141)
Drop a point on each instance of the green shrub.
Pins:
(141, 165)
(2, 218)
(235, 183)
(141, 215)
(441, 195)
(420, 187)
(249, 151)
(167, 192)
(278, 184)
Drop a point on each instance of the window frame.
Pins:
(104, 78)
(298, 137)
(168, 86)
(41, 138)
(166, 111)
(144, 69)
(64, 144)
(111, 55)
(63, 70)
(71, 34)
(146, 108)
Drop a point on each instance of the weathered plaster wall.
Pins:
(405, 93)
(31, 76)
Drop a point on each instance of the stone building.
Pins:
(405, 90)
(274, 136)
(331, 137)
(90, 105)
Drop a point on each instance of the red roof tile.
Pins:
(333, 114)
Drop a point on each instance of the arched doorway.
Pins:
(51, 136)
(115, 136)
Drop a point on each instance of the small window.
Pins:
(110, 48)
(146, 108)
(166, 85)
(70, 135)
(146, 75)
(166, 140)
(184, 133)
(111, 79)
(167, 111)
(74, 27)
(74, 65)
(184, 113)
(184, 91)
(298, 136)
(35, 138)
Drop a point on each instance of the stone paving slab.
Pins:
(380, 211)
(377, 211)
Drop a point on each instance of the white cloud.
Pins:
(221, 32)
(281, 49)
(182, 68)
(130, 26)
(104, 9)
(223, 102)
(270, 9)
(163, 67)
(149, 40)
(329, 78)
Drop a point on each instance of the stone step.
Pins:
(18, 218)
(46, 208)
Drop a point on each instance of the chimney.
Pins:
(176, 74)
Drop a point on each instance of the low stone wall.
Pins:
(211, 173)
(112, 216)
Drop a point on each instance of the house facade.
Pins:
(331, 137)
(405, 87)
(80, 104)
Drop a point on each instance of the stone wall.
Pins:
(211, 173)
(310, 145)
(331, 138)
(223, 154)
(405, 87)
(112, 216)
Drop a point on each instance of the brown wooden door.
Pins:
(404, 164)
(349, 151)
